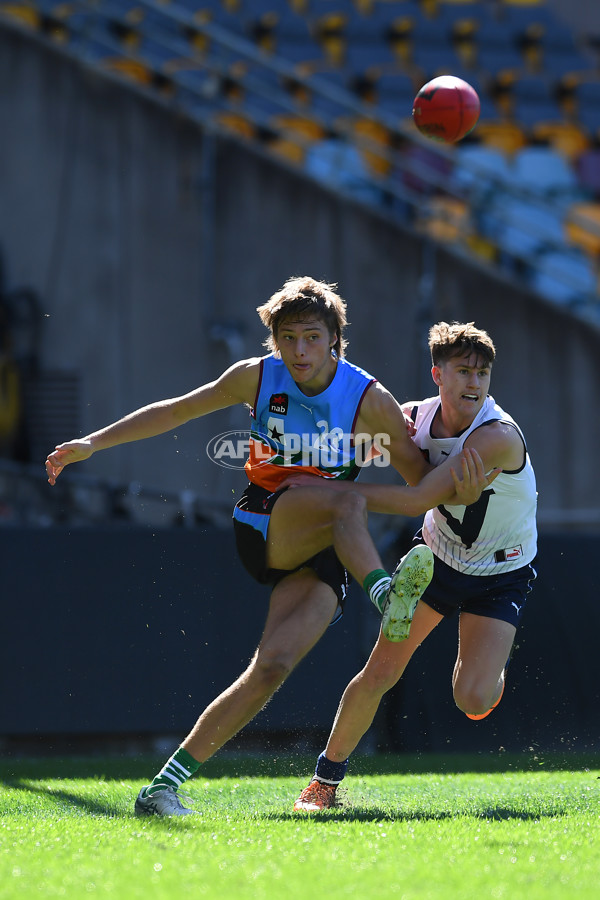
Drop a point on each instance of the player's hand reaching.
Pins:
(473, 479)
(64, 455)
(410, 425)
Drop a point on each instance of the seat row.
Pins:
(312, 115)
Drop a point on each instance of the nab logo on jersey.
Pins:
(279, 404)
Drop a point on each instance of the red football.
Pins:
(446, 109)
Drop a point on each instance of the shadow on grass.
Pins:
(343, 813)
(86, 804)
(381, 814)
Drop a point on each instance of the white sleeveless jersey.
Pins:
(496, 534)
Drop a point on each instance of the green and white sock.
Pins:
(175, 772)
(376, 586)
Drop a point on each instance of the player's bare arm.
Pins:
(238, 384)
(458, 481)
(499, 444)
(381, 414)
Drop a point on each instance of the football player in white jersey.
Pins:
(483, 553)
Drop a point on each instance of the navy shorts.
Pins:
(499, 596)
(250, 523)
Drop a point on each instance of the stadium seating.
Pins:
(495, 48)
(587, 166)
(288, 73)
(586, 97)
(565, 276)
(421, 170)
(500, 134)
(521, 229)
(583, 228)
(395, 92)
(533, 99)
(542, 171)
(566, 138)
(374, 141)
(337, 163)
(361, 58)
(480, 171)
(446, 219)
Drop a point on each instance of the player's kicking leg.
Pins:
(411, 576)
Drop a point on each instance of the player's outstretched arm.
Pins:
(459, 481)
(64, 454)
(237, 385)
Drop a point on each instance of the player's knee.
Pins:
(270, 672)
(378, 680)
(472, 699)
(349, 505)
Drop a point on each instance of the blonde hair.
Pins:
(302, 298)
(459, 339)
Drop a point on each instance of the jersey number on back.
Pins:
(468, 530)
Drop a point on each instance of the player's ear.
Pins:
(333, 339)
(436, 374)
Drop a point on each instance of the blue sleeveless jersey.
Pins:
(291, 429)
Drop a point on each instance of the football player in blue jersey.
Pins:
(311, 412)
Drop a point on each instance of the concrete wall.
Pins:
(140, 232)
(134, 631)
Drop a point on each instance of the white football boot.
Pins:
(411, 576)
(161, 803)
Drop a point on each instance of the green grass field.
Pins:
(426, 827)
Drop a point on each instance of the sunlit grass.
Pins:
(520, 832)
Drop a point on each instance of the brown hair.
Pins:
(302, 298)
(459, 339)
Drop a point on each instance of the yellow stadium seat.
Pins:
(328, 30)
(22, 13)
(505, 136)
(566, 138)
(374, 142)
(129, 69)
(236, 123)
(306, 128)
(288, 150)
(583, 227)
(445, 219)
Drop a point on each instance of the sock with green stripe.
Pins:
(175, 772)
(376, 586)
